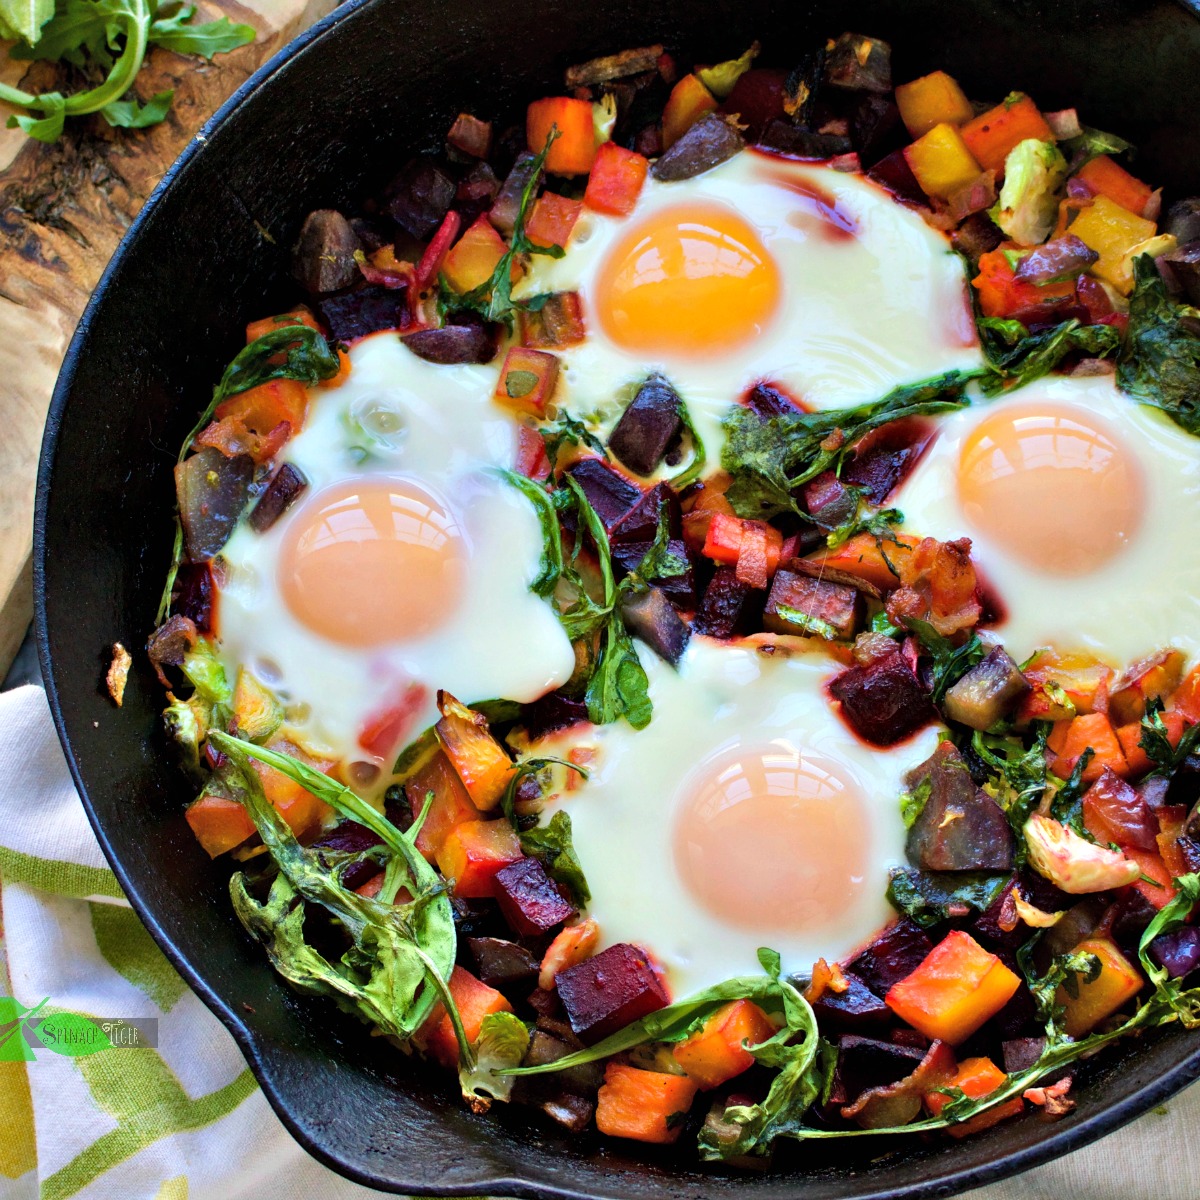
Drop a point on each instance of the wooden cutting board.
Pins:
(63, 209)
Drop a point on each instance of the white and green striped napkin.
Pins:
(185, 1120)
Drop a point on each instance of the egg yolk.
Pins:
(771, 838)
(1053, 488)
(372, 560)
(693, 280)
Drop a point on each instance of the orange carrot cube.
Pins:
(263, 407)
(957, 987)
(1082, 677)
(574, 149)
(646, 1106)
(552, 219)
(472, 260)
(478, 758)
(474, 852)
(527, 381)
(977, 1078)
(616, 180)
(1108, 178)
(717, 1052)
(992, 135)
(1069, 739)
(219, 823)
(1186, 698)
(474, 1001)
(1119, 980)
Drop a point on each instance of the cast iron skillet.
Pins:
(321, 122)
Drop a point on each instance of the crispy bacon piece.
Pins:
(938, 584)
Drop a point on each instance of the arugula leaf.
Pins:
(1178, 1002)
(769, 460)
(569, 431)
(1091, 143)
(24, 18)
(208, 707)
(552, 846)
(695, 468)
(912, 804)
(1018, 357)
(49, 126)
(950, 662)
(1156, 743)
(1160, 363)
(213, 37)
(880, 523)
(928, 897)
(551, 568)
(659, 562)
(129, 114)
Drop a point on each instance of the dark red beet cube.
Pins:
(883, 702)
(607, 491)
(529, 899)
(895, 954)
(605, 993)
(723, 604)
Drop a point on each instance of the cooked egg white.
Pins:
(761, 269)
(1081, 506)
(744, 815)
(403, 568)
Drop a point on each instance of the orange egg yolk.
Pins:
(772, 839)
(369, 561)
(693, 280)
(1051, 487)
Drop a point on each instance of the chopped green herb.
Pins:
(1018, 357)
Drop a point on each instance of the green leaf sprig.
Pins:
(1017, 357)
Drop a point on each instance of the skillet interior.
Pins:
(339, 112)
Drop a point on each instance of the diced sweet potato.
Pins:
(1152, 678)
(451, 803)
(1130, 737)
(473, 258)
(717, 1052)
(605, 993)
(1187, 696)
(1109, 178)
(812, 607)
(954, 991)
(877, 561)
(298, 806)
(1119, 980)
(1069, 739)
(976, 1078)
(478, 758)
(474, 1001)
(527, 380)
(219, 823)
(1114, 812)
(574, 150)
(1083, 678)
(883, 702)
(530, 899)
(993, 134)
(616, 180)
(934, 99)
(688, 102)
(647, 1106)
(474, 852)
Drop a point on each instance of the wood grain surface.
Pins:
(63, 209)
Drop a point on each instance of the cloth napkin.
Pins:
(185, 1120)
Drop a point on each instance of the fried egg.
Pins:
(762, 269)
(743, 815)
(1077, 500)
(403, 568)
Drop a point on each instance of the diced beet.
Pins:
(1021, 1053)
(646, 428)
(1043, 894)
(812, 607)
(766, 401)
(893, 955)
(640, 523)
(1153, 790)
(757, 99)
(607, 491)
(872, 122)
(882, 702)
(829, 502)
(573, 1113)
(865, 1062)
(1019, 1012)
(1077, 922)
(461, 342)
(323, 260)
(651, 617)
(1127, 919)
(856, 1008)
(368, 310)
(987, 692)
(724, 604)
(552, 712)
(680, 589)
(999, 924)
(170, 642)
(961, 828)
(976, 236)
(349, 837)
(1059, 259)
(710, 142)
(286, 484)
(213, 492)
(195, 595)
(783, 137)
(893, 173)
(476, 193)
(1178, 951)
(504, 211)
(1119, 814)
(420, 196)
(503, 964)
(530, 899)
(884, 458)
(606, 993)
(857, 63)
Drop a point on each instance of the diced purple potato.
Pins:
(195, 594)
(723, 605)
(507, 205)
(170, 642)
(765, 401)
(894, 955)
(502, 964)
(680, 589)
(420, 196)
(323, 258)
(647, 427)
(857, 63)
(707, 144)
(872, 123)
(470, 136)
(544, 1003)
(607, 491)
(1021, 1053)
(1184, 266)
(829, 501)
(1183, 220)
(900, 1102)
(819, 570)
(398, 806)
(1019, 1012)
(609, 991)
(1127, 919)
(476, 193)
(1077, 922)
(650, 616)
(1177, 952)
(640, 523)
(783, 137)
(213, 493)
(476, 918)
(812, 607)
(355, 314)
(567, 1097)
(882, 702)
(530, 900)
(573, 1113)
(976, 236)
(286, 485)
(864, 1063)
(552, 712)
(556, 1040)
(884, 459)
(465, 342)
(1061, 258)
(372, 233)
(893, 173)
(856, 1008)
(961, 828)
(987, 693)
(349, 837)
